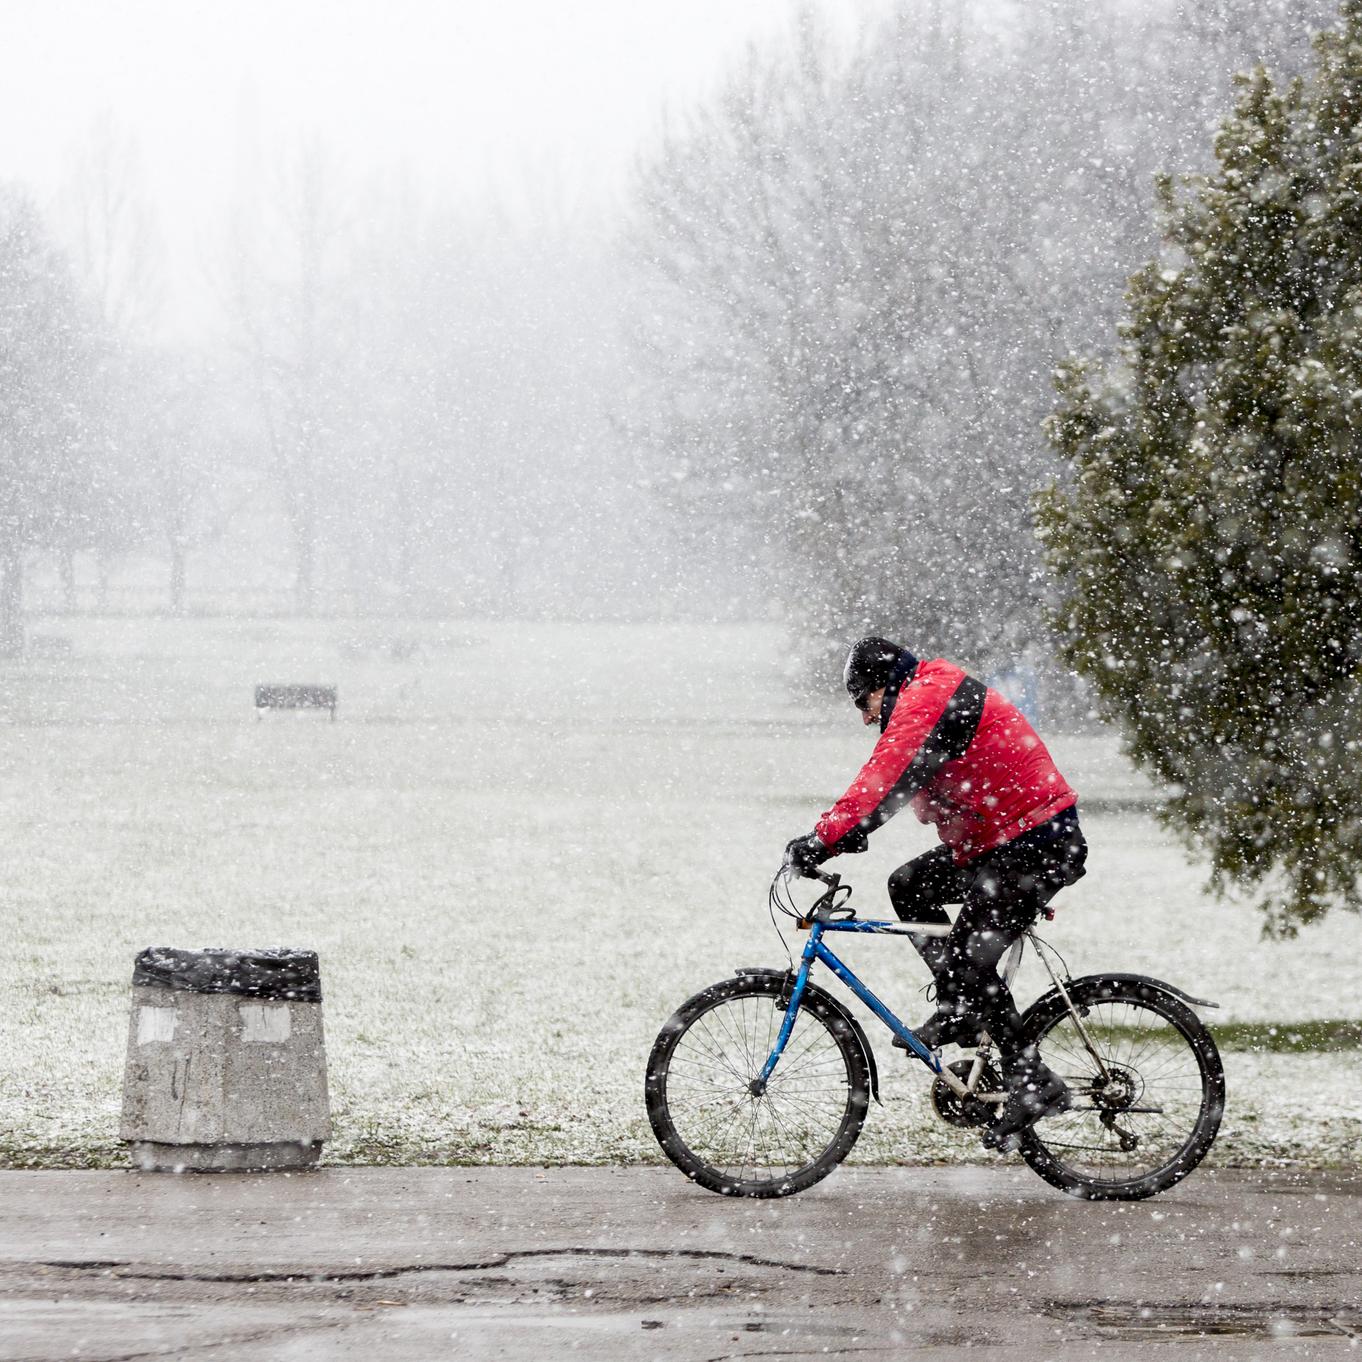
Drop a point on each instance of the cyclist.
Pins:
(969, 762)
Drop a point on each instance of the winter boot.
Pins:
(946, 1027)
(1034, 1091)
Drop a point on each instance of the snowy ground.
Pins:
(516, 850)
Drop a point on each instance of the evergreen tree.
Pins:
(1210, 541)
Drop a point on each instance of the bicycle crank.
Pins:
(967, 1112)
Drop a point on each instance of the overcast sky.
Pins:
(460, 92)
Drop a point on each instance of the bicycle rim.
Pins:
(723, 1135)
(1148, 1120)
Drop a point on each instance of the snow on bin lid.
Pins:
(277, 973)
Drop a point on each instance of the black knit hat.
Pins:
(869, 665)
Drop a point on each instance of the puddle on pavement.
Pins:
(1134, 1321)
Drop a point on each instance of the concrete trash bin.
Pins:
(226, 1062)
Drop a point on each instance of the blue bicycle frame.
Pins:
(814, 949)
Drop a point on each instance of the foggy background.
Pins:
(738, 312)
(565, 386)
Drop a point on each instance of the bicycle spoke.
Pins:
(1149, 1063)
(743, 1136)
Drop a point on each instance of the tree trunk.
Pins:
(177, 572)
(305, 584)
(66, 565)
(11, 601)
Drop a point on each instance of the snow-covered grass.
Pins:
(517, 849)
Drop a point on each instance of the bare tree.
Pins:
(107, 221)
(290, 299)
(48, 372)
(856, 272)
(108, 226)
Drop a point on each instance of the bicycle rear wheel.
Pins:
(1144, 1117)
(722, 1135)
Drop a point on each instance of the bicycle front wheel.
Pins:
(1148, 1089)
(719, 1132)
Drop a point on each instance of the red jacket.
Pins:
(964, 757)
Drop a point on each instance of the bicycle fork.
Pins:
(790, 1001)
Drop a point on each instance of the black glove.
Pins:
(804, 854)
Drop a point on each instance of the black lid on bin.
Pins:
(277, 973)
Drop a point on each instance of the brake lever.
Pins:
(790, 873)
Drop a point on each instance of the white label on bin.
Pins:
(155, 1024)
(267, 1022)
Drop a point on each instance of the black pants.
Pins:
(1002, 894)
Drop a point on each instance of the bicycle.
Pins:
(760, 1084)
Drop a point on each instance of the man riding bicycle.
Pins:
(969, 762)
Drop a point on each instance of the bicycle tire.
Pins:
(1162, 1060)
(707, 1052)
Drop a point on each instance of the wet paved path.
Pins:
(522, 1263)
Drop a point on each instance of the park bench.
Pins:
(274, 696)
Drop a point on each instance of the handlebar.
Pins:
(829, 907)
(789, 872)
